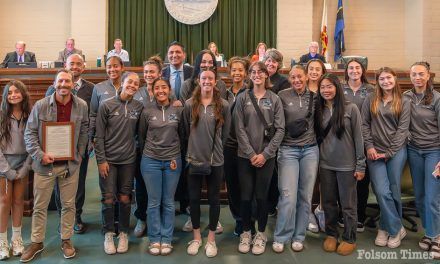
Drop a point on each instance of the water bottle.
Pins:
(98, 62)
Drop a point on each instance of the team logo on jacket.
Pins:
(266, 103)
(172, 118)
(133, 114)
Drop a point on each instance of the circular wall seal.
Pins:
(191, 12)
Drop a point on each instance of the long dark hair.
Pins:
(337, 119)
(197, 62)
(364, 72)
(196, 102)
(6, 110)
(429, 94)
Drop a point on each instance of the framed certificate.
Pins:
(58, 140)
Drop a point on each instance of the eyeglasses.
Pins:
(259, 72)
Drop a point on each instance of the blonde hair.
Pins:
(396, 104)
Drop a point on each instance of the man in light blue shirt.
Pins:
(118, 51)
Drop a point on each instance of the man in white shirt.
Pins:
(118, 51)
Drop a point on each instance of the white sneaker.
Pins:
(122, 243)
(245, 242)
(297, 246)
(219, 228)
(259, 243)
(277, 247)
(381, 238)
(394, 241)
(211, 249)
(109, 244)
(321, 218)
(188, 226)
(4, 250)
(313, 228)
(193, 247)
(17, 247)
(140, 227)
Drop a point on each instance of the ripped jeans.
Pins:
(117, 186)
(297, 170)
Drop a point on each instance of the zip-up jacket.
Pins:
(231, 141)
(296, 106)
(347, 153)
(160, 131)
(45, 110)
(386, 132)
(13, 155)
(116, 130)
(425, 122)
(143, 96)
(200, 137)
(250, 129)
(359, 96)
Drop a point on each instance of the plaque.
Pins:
(58, 140)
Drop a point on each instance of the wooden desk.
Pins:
(38, 80)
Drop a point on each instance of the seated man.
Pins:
(69, 50)
(19, 55)
(118, 51)
(313, 53)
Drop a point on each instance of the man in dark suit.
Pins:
(83, 89)
(69, 50)
(176, 73)
(313, 53)
(19, 55)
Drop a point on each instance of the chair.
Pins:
(407, 198)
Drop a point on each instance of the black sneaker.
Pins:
(79, 227)
(360, 227)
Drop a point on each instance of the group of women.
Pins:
(315, 125)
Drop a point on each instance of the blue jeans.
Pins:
(385, 177)
(161, 182)
(297, 170)
(426, 188)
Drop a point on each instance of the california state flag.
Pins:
(324, 37)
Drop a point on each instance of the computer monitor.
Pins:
(22, 65)
(58, 64)
(362, 59)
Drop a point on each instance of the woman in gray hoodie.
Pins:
(159, 140)
(14, 164)
(206, 120)
(424, 153)
(386, 118)
(116, 130)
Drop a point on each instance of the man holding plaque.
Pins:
(83, 89)
(56, 138)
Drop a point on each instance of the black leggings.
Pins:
(213, 183)
(232, 182)
(254, 181)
